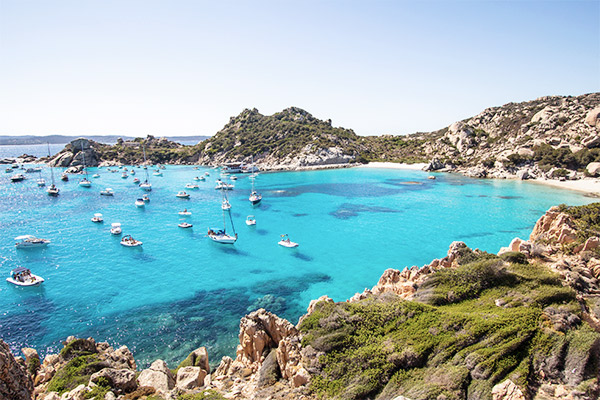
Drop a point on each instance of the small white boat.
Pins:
(132, 172)
(192, 186)
(129, 241)
(96, 176)
(197, 179)
(202, 178)
(17, 177)
(286, 242)
(124, 175)
(64, 177)
(8, 170)
(53, 190)
(146, 198)
(223, 186)
(431, 177)
(183, 195)
(136, 180)
(206, 173)
(225, 205)
(115, 228)
(233, 178)
(185, 213)
(147, 186)
(85, 183)
(41, 182)
(157, 173)
(22, 276)
(184, 225)
(29, 241)
(97, 218)
(140, 203)
(220, 236)
(107, 192)
(250, 220)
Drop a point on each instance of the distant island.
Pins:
(63, 139)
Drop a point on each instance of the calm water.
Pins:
(181, 291)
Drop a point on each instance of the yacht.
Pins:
(115, 228)
(146, 184)
(225, 205)
(97, 218)
(185, 225)
(183, 195)
(17, 177)
(129, 241)
(29, 241)
(85, 182)
(107, 192)
(53, 190)
(286, 242)
(22, 276)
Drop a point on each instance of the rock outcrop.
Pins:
(15, 383)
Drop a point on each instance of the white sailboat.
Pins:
(255, 197)
(221, 235)
(146, 184)
(52, 190)
(85, 182)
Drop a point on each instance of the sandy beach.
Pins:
(590, 186)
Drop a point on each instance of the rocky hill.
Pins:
(523, 324)
(130, 152)
(292, 138)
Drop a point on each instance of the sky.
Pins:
(138, 67)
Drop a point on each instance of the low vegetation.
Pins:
(471, 328)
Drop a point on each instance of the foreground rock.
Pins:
(15, 383)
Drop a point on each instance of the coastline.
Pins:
(589, 186)
(392, 165)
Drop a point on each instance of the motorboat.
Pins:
(22, 276)
(250, 220)
(96, 176)
(136, 180)
(147, 186)
(115, 228)
(53, 190)
(431, 177)
(18, 178)
(85, 183)
(29, 241)
(107, 192)
(97, 218)
(8, 170)
(254, 198)
(192, 186)
(124, 175)
(41, 182)
(146, 198)
(223, 186)
(183, 195)
(64, 177)
(157, 173)
(233, 178)
(132, 172)
(207, 173)
(140, 203)
(197, 179)
(220, 236)
(129, 241)
(185, 213)
(286, 242)
(202, 178)
(185, 225)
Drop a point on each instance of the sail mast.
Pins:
(51, 169)
(83, 157)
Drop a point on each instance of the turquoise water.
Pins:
(181, 291)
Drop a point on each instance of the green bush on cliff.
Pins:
(485, 321)
(75, 372)
(586, 218)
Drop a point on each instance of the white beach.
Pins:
(391, 165)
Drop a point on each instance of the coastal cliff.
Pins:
(520, 324)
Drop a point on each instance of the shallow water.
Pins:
(181, 291)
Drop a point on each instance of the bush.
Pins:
(515, 257)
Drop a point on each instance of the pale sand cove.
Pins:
(590, 186)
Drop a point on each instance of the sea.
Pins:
(180, 290)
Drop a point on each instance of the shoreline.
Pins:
(588, 186)
(392, 165)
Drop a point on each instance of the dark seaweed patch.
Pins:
(348, 210)
(302, 256)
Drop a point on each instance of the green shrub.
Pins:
(75, 372)
(515, 257)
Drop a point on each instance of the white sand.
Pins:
(391, 165)
(591, 186)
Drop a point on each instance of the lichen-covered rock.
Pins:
(158, 376)
(190, 378)
(197, 358)
(555, 227)
(15, 383)
(123, 380)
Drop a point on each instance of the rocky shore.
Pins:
(522, 324)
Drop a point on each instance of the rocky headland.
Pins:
(520, 324)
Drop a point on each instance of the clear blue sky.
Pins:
(379, 67)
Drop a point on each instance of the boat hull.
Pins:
(33, 281)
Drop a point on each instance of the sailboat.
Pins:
(85, 182)
(52, 190)
(145, 185)
(220, 235)
(41, 181)
(255, 197)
